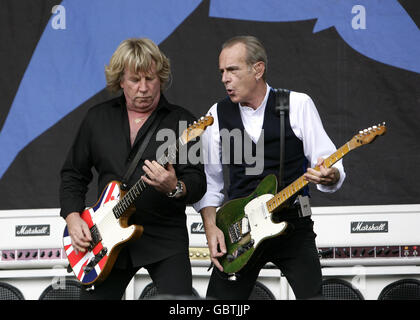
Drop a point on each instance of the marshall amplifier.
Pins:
(31, 239)
(368, 235)
(371, 248)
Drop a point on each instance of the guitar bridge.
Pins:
(238, 230)
(96, 237)
(235, 233)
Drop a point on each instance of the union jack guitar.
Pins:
(108, 219)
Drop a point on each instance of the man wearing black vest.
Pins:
(249, 112)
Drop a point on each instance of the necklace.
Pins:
(138, 120)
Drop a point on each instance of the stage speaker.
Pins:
(150, 292)
(338, 289)
(9, 292)
(261, 292)
(68, 290)
(405, 289)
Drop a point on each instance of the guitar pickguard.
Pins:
(260, 220)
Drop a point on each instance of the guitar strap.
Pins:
(282, 107)
(140, 151)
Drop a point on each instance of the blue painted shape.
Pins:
(67, 67)
(390, 37)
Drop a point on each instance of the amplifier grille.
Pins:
(405, 289)
(337, 289)
(9, 292)
(70, 291)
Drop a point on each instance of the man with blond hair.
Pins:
(108, 140)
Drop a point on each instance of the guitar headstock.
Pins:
(367, 135)
(196, 129)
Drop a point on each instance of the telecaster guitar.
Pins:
(246, 222)
(108, 219)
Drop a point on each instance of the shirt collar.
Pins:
(263, 103)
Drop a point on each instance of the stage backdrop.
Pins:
(358, 60)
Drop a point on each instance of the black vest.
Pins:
(242, 184)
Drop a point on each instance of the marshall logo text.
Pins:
(369, 226)
(197, 227)
(32, 230)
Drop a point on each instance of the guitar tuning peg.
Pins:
(360, 132)
(370, 128)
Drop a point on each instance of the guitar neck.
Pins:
(280, 198)
(125, 202)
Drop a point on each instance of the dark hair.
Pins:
(254, 49)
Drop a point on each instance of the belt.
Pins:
(290, 213)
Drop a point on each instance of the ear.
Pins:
(122, 77)
(259, 69)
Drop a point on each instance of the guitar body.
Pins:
(109, 235)
(108, 218)
(261, 226)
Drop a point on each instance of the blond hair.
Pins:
(138, 55)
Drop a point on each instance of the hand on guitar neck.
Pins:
(163, 179)
(322, 175)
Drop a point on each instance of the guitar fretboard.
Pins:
(135, 191)
(301, 182)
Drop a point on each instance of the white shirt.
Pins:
(305, 123)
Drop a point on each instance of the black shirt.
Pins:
(103, 143)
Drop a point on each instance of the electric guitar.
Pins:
(108, 219)
(246, 222)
